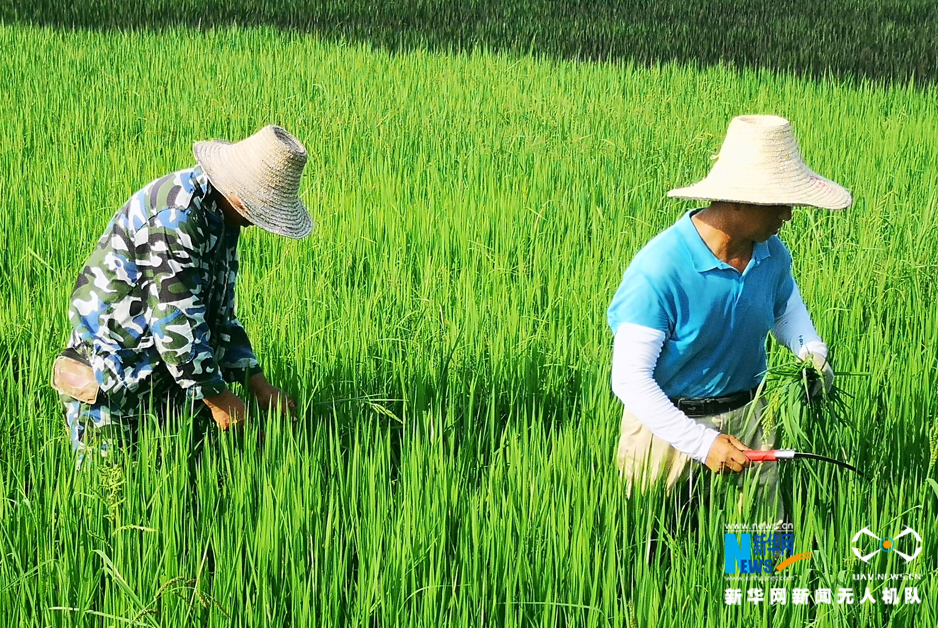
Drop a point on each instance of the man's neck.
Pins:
(231, 217)
(717, 234)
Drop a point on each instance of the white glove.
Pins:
(816, 354)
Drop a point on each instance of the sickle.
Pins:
(774, 455)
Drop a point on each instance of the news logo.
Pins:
(759, 551)
(888, 544)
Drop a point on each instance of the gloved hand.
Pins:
(816, 354)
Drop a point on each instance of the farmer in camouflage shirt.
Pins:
(152, 312)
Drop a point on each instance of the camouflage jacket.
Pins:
(155, 301)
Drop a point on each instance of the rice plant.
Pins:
(444, 333)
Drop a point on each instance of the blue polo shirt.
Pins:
(715, 319)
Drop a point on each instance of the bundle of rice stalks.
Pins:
(810, 417)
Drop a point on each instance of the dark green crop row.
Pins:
(887, 41)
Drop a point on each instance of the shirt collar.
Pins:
(200, 180)
(204, 189)
(701, 255)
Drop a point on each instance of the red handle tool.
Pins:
(774, 455)
(769, 455)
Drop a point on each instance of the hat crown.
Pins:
(277, 156)
(263, 172)
(760, 163)
(760, 144)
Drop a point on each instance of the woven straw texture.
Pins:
(760, 163)
(263, 173)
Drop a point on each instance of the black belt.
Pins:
(706, 406)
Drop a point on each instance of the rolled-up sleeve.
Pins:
(238, 362)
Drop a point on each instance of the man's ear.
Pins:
(236, 203)
(239, 207)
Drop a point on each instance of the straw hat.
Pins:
(760, 163)
(260, 175)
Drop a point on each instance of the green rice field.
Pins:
(444, 333)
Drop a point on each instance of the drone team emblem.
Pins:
(888, 544)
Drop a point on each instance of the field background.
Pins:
(479, 185)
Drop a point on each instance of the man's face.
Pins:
(760, 222)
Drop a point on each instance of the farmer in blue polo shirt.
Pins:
(696, 304)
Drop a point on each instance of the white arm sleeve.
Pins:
(634, 355)
(794, 329)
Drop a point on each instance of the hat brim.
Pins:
(808, 191)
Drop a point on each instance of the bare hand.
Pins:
(227, 409)
(269, 396)
(726, 454)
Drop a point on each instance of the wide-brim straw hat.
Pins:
(260, 176)
(760, 163)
